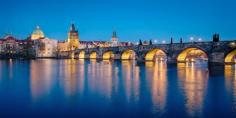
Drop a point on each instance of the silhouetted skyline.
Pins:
(132, 19)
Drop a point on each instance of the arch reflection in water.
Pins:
(193, 81)
(192, 55)
(156, 75)
(131, 80)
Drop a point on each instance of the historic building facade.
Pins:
(43, 47)
(10, 47)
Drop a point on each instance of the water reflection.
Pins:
(121, 88)
(130, 77)
(41, 78)
(230, 81)
(156, 74)
(100, 77)
(193, 81)
(72, 77)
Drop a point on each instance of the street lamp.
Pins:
(163, 42)
(155, 41)
(200, 39)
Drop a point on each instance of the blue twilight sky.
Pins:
(132, 19)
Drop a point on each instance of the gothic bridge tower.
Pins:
(73, 38)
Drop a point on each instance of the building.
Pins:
(72, 42)
(62, 46)
(93, 44)
(10, 47)
(45, 48)
(37, 34)
(114, 39)
(73, 38)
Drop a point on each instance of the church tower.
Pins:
(73, 38)
(114, 39)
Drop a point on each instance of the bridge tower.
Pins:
(73, 38)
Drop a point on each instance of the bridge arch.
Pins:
(128, 55)
(192, 54)
(231, 57)
(108, 55)
(93, 55)
(156, 55)
(81, 54)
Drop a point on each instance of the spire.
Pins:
(181, 40)
(72, 28)
(37, 27)
(171, 40)
(114, 34)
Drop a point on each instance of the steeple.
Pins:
(114, 34)
(72, 28)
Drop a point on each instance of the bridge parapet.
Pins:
(216, 51)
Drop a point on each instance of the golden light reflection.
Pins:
(128, 55)
(93, 55)
(70, 80)
(156, 75)
(231, 58)
(100, 78)
(193, 81)
(155, 55)
(131, 79)
(41, 78)
(192, 55)
(230, 81)
(108, 55)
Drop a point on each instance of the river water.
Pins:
(90, 88)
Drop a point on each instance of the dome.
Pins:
(37, 34)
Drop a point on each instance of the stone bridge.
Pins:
(216, 52)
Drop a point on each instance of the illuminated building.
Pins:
(46, 48)
(43, 47)
(37, 34)
(62, 46)
(73, 38)
(93, 44)
(10, 47)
